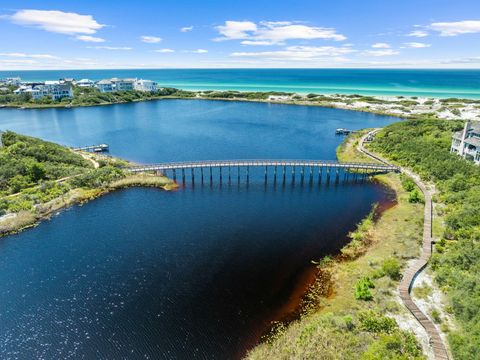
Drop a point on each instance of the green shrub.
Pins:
(362, 289)
(391, 268)
(400, 345)
(424, 146)
(376, 323)
(414, 196)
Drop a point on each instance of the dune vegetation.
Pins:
(423, 145)
(352, 311)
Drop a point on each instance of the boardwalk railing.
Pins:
(306, 168)
(263, 163)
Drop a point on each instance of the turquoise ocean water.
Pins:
(405, 82)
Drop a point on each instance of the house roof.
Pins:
(474, 126)
(473, 141)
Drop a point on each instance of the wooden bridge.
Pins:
(277, 167)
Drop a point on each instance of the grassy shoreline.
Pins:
(333, 321)
(39, 178)
(25, 219)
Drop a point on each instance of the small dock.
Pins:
(94, 148)
(342, 131)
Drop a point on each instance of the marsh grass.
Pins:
(330, 328)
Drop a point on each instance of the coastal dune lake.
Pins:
(195, 273)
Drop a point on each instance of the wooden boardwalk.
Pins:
(264, 163)
(436, 342)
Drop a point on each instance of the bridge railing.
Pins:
(260, 162)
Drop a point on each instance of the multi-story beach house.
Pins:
(52, 89)
(84, 83)
(466, 143)
(116, 84)
(105, 86)
(145, 85)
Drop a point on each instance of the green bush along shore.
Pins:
(348, 313)
(39, 177)
(423, 145)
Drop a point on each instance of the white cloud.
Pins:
(457, 27)
(110, 47)
(23, 55)
(57, 21)
(236, 29)
(164, 51)
(418, 33)
(150, 39)
(298, 53)
(16, 62)
(273, 33)
(381, 46)
(198, 51)
(186, 28)
(416, 45)
(386, 52)
(257, 42)
(89, 38)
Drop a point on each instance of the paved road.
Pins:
(438, 346)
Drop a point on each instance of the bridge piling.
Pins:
(211, 179)
(220, 175)
(183, 176)
(328, 175)
(229, 175)
(293, 174)
(193, 176)
(201, 174)
(266, 174)
(174, 175)
(248, 174)
(284, 174)
(275, 174)
(238, 175)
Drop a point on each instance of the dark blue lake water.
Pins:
(195, 273)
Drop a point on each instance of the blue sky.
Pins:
(215, 34)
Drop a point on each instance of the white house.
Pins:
(50, 89)
(115, 84)
(466, 143)
(84, 83)
(11, 81)
(123, 84)
(60, 91)
(145, 85)
(105, 86)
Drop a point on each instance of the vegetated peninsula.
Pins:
(37, 178)
(88, 93)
